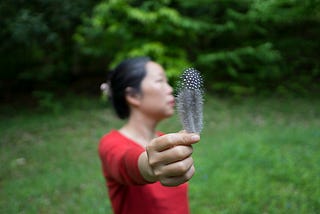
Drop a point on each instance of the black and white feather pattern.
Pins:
(190, 100)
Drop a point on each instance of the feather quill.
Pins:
(190, 100)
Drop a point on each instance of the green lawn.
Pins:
(255, 156)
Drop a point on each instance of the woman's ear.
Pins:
(132, 96)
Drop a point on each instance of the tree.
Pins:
(243, 47)
(253, 43)
(37, 52)
(118, 29)
(238, 45)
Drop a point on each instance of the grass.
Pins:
(255, 156)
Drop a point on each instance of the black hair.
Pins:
(129, 73)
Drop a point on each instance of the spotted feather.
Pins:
(190, 100)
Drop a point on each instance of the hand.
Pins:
(169, 158)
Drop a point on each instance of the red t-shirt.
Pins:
(129, 192)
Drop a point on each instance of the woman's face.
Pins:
(156, 98)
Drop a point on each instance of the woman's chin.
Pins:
(171, 113)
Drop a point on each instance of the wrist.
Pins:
(145, 169)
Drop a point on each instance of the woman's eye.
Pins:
(159, 80)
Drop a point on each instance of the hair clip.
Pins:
(105, 88)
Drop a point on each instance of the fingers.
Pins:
(172, 155)
(174, 169)
(175, 173)
(170, 140)
(177, 180)
(169, 157)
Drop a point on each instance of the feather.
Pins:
(190, 100)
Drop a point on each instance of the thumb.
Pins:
(170, 140)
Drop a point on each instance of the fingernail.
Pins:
(195, 137)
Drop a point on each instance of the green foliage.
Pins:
(254, 45)
(37, 51)
(120, 29)
(241, 70)
(242, 47)
(47, 101)
(294, 28)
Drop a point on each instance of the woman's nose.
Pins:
(170, 89)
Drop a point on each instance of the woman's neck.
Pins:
(139, 129)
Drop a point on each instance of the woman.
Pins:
(146, 171)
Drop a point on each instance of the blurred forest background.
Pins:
(243, 47)
(259, 151)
